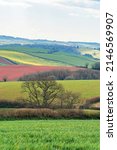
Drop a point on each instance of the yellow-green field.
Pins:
(87, 88)
(23, 58)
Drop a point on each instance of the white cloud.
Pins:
(93, 13)
(56, 19)
(94, 4)
(74, 14)
(14, 3)
(79, 3)
(86, 7)
(86, 13)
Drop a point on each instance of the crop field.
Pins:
(22, 58)
(12, 72)
(49, 135)
(87, 88)
(41, 57)
(68, 59)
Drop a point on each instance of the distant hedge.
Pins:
(81, 74)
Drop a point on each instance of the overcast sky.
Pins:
(67, 20)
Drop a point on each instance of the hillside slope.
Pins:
(45, 52)
(22, 58)
(87, 88)
(13, 72)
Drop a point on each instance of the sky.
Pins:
(63, 20)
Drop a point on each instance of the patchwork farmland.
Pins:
(19, 57)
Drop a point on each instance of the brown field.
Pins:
(13, 72)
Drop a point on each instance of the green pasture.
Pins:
(42, 57)
(22, 58)
(87, 88)
(68, 59)
(49, 135)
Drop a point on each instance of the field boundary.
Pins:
(27, 113)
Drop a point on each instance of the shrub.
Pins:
(89, 102)
(68, 99)
(96, 66)
(5, 79)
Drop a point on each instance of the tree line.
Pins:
(81, 74)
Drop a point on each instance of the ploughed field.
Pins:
(13, 72)
(49, 135)
(87, 88)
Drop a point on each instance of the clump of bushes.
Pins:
(96, 66)
(89, 102)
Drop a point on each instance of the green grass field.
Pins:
(87, 88)
(49, 135)
(42, 57)
(68, 59)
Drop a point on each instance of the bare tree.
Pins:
(61, 98)
(42, 93)
(71, 98)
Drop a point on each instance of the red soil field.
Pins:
(13, 72)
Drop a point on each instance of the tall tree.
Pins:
(42, 93)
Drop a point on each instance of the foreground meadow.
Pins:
(49, 135)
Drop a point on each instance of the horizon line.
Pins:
(53, 40)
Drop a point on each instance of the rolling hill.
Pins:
(47, 53)
(4, 40)
(22, 58)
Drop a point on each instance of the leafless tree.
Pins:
(42, 93)
(71, 98)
